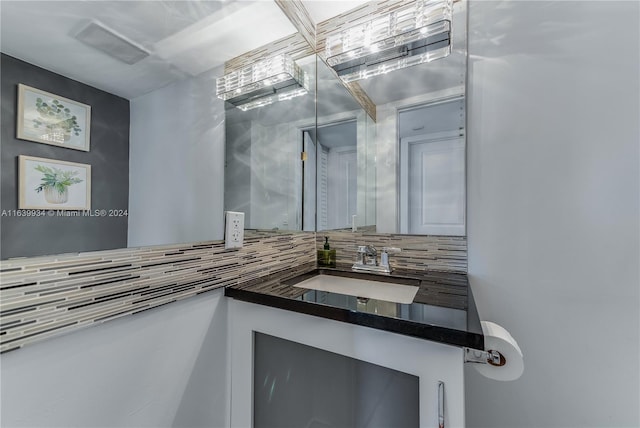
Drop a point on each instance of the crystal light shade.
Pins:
(277, 78)
(414, 34)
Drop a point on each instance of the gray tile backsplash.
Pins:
(418, 252)
(45, 296)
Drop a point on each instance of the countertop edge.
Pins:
(431, 332)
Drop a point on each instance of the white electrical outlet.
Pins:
(233, 229)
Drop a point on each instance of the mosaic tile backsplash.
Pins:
(42, 297)
(418, 253)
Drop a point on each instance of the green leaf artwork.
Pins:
(54, 116)
(55, 178)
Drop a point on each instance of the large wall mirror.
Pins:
(342, 154)
(393, 163)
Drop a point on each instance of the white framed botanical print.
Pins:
(51, 184)
(47, 118)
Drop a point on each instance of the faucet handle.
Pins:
(367, 255)
(384, 258)
(391, 249)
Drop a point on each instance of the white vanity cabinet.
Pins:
(430, 361)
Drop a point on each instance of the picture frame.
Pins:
(51, 184)
(47, 118)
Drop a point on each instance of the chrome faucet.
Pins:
(367, 259)
(370, 255)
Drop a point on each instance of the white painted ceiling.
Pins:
(184, 38)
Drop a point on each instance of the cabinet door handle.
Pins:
(440, 404)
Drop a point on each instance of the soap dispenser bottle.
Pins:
(327, 256)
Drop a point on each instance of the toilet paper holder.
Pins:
(492, 357)
(500, 357)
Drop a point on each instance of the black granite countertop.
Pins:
(443, 309)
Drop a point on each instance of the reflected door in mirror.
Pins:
(337, 168)
(432, 169)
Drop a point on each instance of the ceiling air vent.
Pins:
(100, 37)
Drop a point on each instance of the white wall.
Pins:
(176, 163)
(161, 368)
(553, 203)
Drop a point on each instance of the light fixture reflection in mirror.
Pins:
(277, 78)
(414, 34)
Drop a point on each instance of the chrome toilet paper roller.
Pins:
(501, 358)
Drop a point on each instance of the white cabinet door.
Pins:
(431, 362)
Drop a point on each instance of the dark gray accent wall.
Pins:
(109, 160)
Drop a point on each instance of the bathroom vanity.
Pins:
(423, 334)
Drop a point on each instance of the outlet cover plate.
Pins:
(233, 229)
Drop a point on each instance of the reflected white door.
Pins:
(323, 188)
(432, 185)
(343, 188)
(309, 194)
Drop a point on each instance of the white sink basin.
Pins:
(390, 292)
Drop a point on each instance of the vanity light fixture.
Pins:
(277, 78)
(410, 35)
